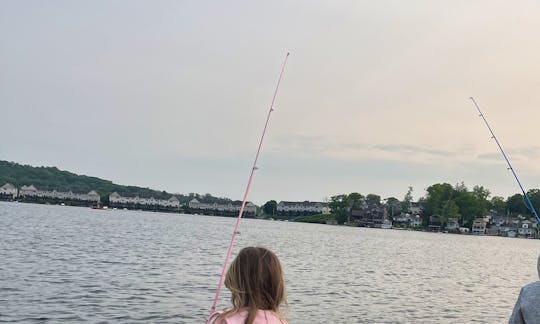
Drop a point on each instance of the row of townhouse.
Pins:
(117, 200)
(302, 208)
(32, 193)
(231, 208)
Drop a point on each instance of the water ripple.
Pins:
(66, 264)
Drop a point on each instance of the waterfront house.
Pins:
(452, 225)
(415, 208)
(386, 224)
(492, 230)
(369, 215)
(115, 197)
(525, 229)
(479, 227)
(503, 220)
(511, 226)
(8, 192)
(173, 202)
(194, 204)
(434, 224)
(93, 196)
(506, 229)
(406, 219)
(28, 191)
(416, 220)
(402, 219)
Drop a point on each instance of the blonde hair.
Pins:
(255, 279)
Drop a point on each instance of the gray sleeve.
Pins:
(516, 317)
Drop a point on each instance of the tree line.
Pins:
(458, 202)
(443, 200)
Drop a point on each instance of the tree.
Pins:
(340, 207)
(437, 196)
(468, 207)
(270, 207)
(460, 187)
(498, 205)
(373, 199)
(439, 202)
(481, 195)
(355, 200)
(393, 205)
(534, 196)
(406, 203)
(516, 205)
(104, 200)
(450, 210)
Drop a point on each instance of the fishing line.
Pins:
(529, 203)
(254, 167)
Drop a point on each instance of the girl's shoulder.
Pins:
(217, 318)
(263, 317)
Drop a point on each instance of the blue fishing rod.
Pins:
(526, 197)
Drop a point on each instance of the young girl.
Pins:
(255, 280)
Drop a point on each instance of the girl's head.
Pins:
(255, 280)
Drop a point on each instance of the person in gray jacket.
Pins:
(527, 308)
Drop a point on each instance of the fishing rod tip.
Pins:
(288, 53)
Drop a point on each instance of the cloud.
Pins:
(343, 149)
(528, 152)
(302, 145)
(490, 156)
(411, 149)
(514, 154)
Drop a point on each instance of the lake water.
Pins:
(69, 264)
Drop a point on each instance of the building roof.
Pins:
(30, 187)
(8, 186)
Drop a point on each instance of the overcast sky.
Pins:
(173, 95)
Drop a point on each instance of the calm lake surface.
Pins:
(69, 264)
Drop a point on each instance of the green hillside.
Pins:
(51, 178)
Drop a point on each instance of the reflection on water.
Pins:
(67, 264)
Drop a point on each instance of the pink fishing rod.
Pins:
(222, 278)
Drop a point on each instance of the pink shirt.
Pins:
(263, 317)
